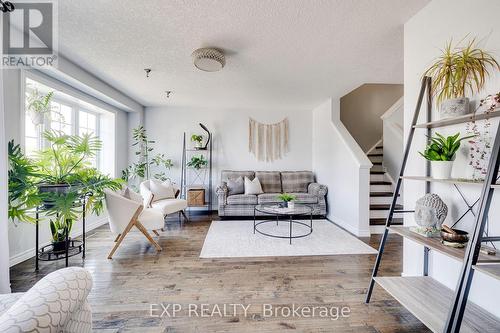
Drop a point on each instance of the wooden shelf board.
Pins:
(436, 245)
(492, 270)
(459, 120)
(430, 301)
(447, 181)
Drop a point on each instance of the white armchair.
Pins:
(170, 205)
(56, 303)
(125, 213)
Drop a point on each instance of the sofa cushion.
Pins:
(301, 198)
(235, 186)
(169, 206)
(270, 181)
(242, 199)
(228, 174)
(296, 181)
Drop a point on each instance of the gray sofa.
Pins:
(300, 183)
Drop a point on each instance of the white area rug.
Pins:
(233, 239)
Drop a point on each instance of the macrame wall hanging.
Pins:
(268, 142)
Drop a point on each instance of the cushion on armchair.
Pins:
(296, 181)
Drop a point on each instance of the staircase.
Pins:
(381, 193)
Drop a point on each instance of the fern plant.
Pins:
(286, 197)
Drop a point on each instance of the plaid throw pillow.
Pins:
(296, 181)
(270, 181)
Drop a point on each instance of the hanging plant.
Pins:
(39, 106)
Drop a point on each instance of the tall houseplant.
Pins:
(57, 177)
(141, 169)
(459, 71)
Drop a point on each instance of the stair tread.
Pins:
(384, 207)
(377, 163)
(382, 194)
(381, 221)
(377, 172)
(375, 154)
(380, 183)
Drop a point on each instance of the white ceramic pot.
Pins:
(441, 169)
(454, 107)
(37, 118)
(291, 204)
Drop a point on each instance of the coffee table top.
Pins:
(274, 209)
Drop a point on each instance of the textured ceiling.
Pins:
(280, 53)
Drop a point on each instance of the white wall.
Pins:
(340, 164)
(166, 125)
(392, 140)
(22, 235)
(425, 34)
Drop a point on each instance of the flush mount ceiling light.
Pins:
(208, 59)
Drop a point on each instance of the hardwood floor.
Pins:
(137, 276)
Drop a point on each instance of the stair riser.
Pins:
(380, 188)
(379, 214)
(377, 168)
(376, 158)
(377, 178)
(382, 200)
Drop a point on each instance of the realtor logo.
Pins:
(29, 36)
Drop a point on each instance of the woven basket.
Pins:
(196, 197)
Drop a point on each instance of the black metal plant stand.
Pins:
(471, 257)
(73, 248)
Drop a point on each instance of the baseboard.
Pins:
(28, 254)
(348, 227)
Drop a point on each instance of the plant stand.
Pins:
(75, 247)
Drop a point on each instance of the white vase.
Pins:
(291, 204)
(454, 107)
(37, 118)
(441, 169)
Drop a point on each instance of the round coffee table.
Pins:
(288, 214)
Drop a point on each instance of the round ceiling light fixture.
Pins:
(209, 59)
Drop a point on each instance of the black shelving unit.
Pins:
(75, 247)
(187, 183)
(439, 308)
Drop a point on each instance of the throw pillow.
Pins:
(235, 186)
(253, 186)
(148, 202)
(131, 195)
(161, 190)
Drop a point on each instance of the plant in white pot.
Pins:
(288, 200)
(39, 106)
(198, 140)
(457, 72)
(441, 151)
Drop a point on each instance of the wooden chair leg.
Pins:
(156, 233)
(117, 236)
(119, 239)
(184, 214)
(148, 236)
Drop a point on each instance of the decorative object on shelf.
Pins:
(196, 166)
(440, 151)
(196, 197)
(288, 200)
(458, 71)
(454, 237)
(197, 162)
(198, 140)
(268, 142)
(208, 59)
(39, 106)
(141, 170)
(430, 212)
(480, 145)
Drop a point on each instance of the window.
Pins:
(73, 117)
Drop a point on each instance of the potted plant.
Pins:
(441, 152)
(142, 168)
(39, 106)
(59, 177)
(198, 140)
(197, 162)
(288, 200)
(457, 72)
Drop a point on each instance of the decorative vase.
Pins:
(291, 204)
(430, 213)
(283, 204)
(37, 118)
(454, 107)
(441, 169)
